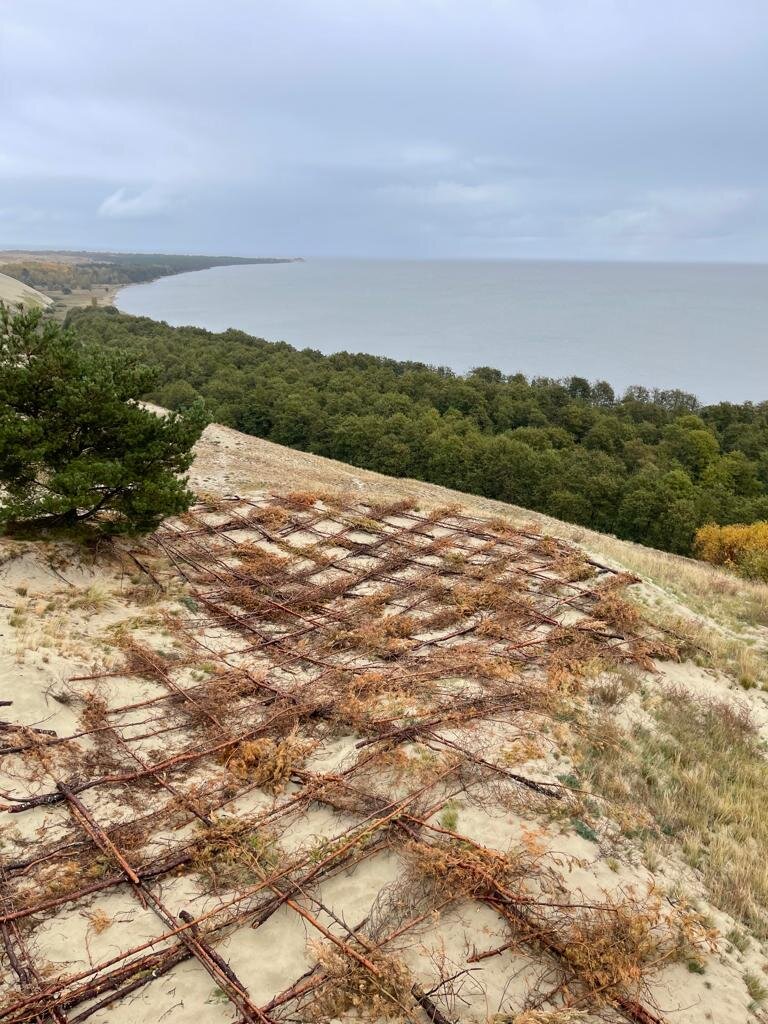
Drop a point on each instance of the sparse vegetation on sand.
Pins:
(699, 769)
(433, 758)
(353, 687)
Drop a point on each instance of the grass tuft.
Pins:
(701, 775)
(758, 991)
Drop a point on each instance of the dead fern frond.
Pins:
(269, 516)
(392, 508)
(258, 562)
(301, 499)
(99, 920)
(143, 661)
(461, 871)
(560, 1016)
(616, 612)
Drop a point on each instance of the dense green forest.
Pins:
(647, 466)
(103, 268)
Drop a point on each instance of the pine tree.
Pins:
(75, 444)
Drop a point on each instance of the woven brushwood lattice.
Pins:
(373, 662)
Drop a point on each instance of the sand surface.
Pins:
(13, 292)
(248, 621)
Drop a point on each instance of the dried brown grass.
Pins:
(349, 986)
(616, 948)
(268, 762)
(699, 774)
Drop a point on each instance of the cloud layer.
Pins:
(387, 127)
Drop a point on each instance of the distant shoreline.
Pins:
(73, 279)
(698, 327)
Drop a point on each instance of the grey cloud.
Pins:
(387, 127)
(681, 214)
(149, 202)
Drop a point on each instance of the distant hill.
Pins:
(13, 292)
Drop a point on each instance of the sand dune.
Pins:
(13, 292)
(326, 756)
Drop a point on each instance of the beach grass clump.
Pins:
(758, 990)
(699, 774)
(96, 598)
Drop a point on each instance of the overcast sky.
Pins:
(429, 128)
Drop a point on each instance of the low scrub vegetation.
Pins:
(742, 547)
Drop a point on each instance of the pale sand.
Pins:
(717, 605)
(13, 293)
(48, 645)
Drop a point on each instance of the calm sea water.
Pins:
(700, 327)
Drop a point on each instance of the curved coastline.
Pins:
(655, 325)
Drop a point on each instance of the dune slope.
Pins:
(334, 746)
(13, 292)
